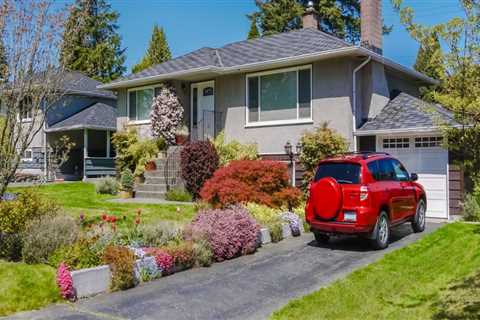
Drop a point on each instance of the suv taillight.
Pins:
(363, 193)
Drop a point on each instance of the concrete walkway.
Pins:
(250, 287)
(149, 201)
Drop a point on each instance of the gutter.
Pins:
(354, 100)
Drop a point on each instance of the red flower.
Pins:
(139, 212)
(113, 219)
(137, 221)
(104, 217)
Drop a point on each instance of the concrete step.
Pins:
(160, 163)
(151, 187)
(154, 174)
(155, 180)
(149, 195)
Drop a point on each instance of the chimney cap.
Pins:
(310, 6)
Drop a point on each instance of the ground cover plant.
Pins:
(415, 282)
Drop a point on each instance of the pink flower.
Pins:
(65, 282)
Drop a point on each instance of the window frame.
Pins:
(136, 121)
(298, 120)
(25, 159)
(438, 140)
(393, 144)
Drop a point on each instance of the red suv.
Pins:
(364, 194)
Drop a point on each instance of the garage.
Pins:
(423, 155)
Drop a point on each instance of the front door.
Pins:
(203, 110)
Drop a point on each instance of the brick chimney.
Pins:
(371, 25)
(310, 17)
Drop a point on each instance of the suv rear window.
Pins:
(344, 173)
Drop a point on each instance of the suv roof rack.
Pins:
(365, 154)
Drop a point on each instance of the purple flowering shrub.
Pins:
(167, 114)
(230, 232)
(294, 221)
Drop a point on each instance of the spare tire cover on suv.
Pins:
(327, 198)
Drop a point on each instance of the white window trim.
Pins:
(428, 147)
(138, 122)
(27, 159)
(309, 120)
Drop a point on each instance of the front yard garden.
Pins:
(434, 278)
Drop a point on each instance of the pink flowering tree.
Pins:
(167, 114)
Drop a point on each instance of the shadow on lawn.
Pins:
(460, 301)
(354, 243)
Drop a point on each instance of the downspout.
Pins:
(354, 100)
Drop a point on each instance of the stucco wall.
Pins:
(375, 92)
(403, 83)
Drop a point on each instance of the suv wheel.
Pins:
(382, 232)
(418, 223)
(321, 238)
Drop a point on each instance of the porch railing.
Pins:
(99, 167)
(208, 126)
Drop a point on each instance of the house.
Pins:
(271, 90)
(86, 115)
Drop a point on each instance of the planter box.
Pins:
(88, 282)
(265, 236)
(286, 230)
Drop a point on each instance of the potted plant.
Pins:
(150, 165)
(181, 135)
(126, 183)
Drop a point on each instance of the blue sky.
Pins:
(192, 24)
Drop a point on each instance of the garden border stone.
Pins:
(286, 230)
(265, 236)
(91, 281)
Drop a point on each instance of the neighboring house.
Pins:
(86, 115)
(273, 89)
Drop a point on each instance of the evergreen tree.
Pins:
(338, 17)
(91, 43)
(157, 52)
(430, 58)
(253, 33)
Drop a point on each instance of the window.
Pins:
(400, 172)
(386, 172)
(26, 109)
(344, 173)
(27, 155)
(396, 143)
(140, 104)
(428, 142)
(280, 96)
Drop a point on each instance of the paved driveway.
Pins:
(249, 287)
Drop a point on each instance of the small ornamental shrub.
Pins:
(276, 232)
(121, 261)
(259, 181)
(106, 185)
(80, 255)
(127, 180)
(317, 145)
(167, 114)
(158, 234)
(147, 269)
(178, 194)
(233, 150)
(163, 259)
(471, 208)
(10, 246)
(294, 221)
(65, 282)
(14, 215)
(203, 253)
(269, 218)
(230, 232)
(199, 160)
(183, 254)
(45, 235)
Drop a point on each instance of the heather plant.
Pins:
(107, 185)
(65, 282)
(233, 150)
(163, 259)
(293, 220)
(276, 232)
(146, 269)
(230, 232)
(46, 234)
(167, 114)
(79, 255)
(199, 160)
(121, 261)
(158, 234)
(182, 253)
(203, 253)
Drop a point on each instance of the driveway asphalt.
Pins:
(249, 287)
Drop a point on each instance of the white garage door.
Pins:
(424, 156)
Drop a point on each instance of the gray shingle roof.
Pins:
(98, 116)
(407, 112)
(76, 82)
(278, 46)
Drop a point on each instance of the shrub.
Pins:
(10, 246)
(182, 253)
(44, 235)
(199, 160)
(146, 269)
(267, 217)
(242, 181)
(230, 232)
(233, 150)
(317, 145)
(79, 255)
(276, 232)
(107, 185)
(178, 194)
(163, 259)
(14, 215)
(471, 208)
(127, 180)
(158, 234)
(121, 261)
(203, 253)
(167, 114)
(65, 282)
(294, 222)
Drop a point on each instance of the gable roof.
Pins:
(406, 112)
(98, 116)
(75, 82)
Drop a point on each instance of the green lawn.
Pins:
(79, 197)
(26, 287)
(415, 282)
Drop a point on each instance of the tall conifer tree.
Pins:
(158, 51)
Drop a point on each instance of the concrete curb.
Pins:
(91, 281)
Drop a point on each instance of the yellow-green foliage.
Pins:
(29, 204)
(267, 217)
(233, 150)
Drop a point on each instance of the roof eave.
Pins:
(430, 129)
(80, 127)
